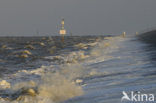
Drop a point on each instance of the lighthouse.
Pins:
(62, 31)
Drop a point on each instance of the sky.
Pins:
(82, 17)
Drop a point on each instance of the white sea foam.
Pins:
(72, 57)
(52, 87)
(4, 84)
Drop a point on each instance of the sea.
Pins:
(82, 69)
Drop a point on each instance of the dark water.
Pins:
(39, 47)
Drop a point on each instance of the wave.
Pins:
(53, 86)
(62, 79)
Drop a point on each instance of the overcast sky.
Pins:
(82, 17)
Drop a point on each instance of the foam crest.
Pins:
(58, 88)
(51, 88)
(106, 46)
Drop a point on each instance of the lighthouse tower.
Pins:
(62, 30)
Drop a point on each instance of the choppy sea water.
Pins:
(88, 69)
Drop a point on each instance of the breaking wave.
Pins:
(61, 79)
